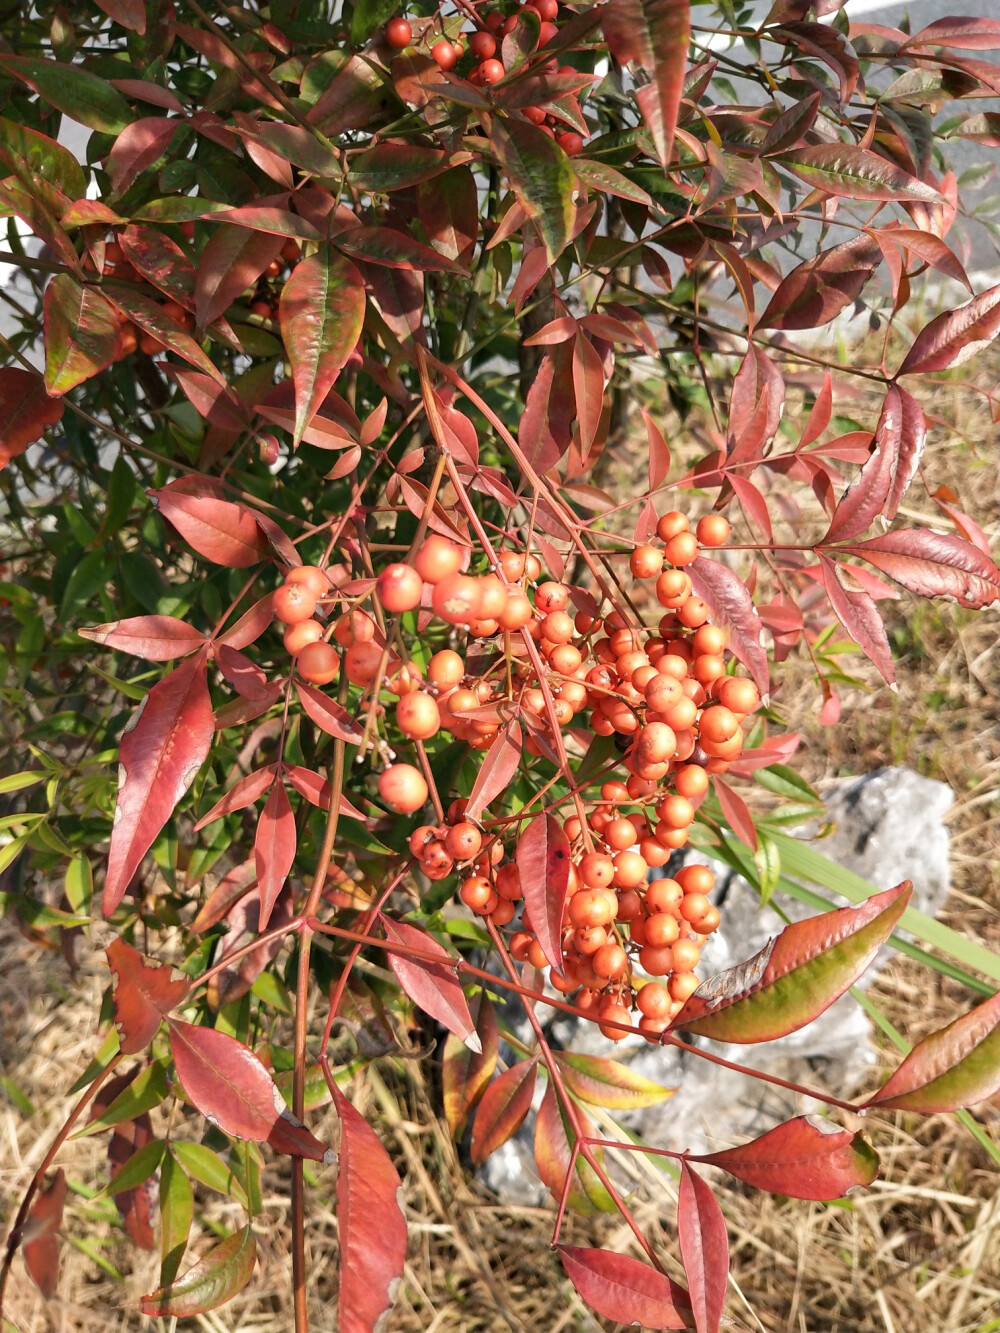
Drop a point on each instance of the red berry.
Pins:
(547, 9)
(491, 71)
(403, 788)
(399, 587)
(318, 663)
(482, 45)
(546, 32)
(398, 33)
(294, 602)
(570, 142)
(444, 55)
(535, 114)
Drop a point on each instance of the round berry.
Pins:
(713, 530)
(482, 45)
(398, 33)
(297, 636)
(418, 716)
(318, 663)
(403, 788)
(444, 55)
(399, 588)
(312, 576)
(437, 558)
(456, 599)
(569, 141)
(294, 602)
(491, 71)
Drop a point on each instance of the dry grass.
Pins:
(918, 1253)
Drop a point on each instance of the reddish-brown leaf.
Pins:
(229, 1085)
(732, 607)
(956, 336)
(497, 769)
(26, 411)
(503, 1109)
(465, 1073)
(933, 564)
(804, 1158)
(328, 715)
(144, 993)
(246, 677)
(321, 312)
(156, 638)
(448, 208)
(372, 1225)
(316, 790)
(976, 33)
(959, 1065)
(239, 796)
(218, 1277)
(704, 1245)
(274, 849)
(796, 976)
(137, 147)
(909, 448)
(41, 1251)
(737, 816)
(232, 261)
(818, 289)
(654, 35)
(858, 614)
(819, 415)
(659, 452)
(129, 13)
(545, 429)
(162, 748)
(161, 261)
(554, 1137)
(81, 334)
(624, 1289)
(155, 320)
(432, 986)
(588, 391)
(221, 530)
(543, 859)
(251, 625)
(869, 493)
(849, 172)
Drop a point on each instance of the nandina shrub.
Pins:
(412, 633)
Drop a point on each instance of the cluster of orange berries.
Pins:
(265, 299)
(667, 698)
(484, 44)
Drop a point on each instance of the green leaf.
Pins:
(74, 91)
(541, 176)
(176, 1216)
(604, 1082)
(139, 1167)
(208, 1169)
(784, 781)
(855, 173)
(39, 161)
(767, 859)
(369, 15)
(81, 333)
(223, 1272)
(108, 1051)
(18, 781)
(147, 1089)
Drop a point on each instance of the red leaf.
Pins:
(554, 1137)
(433, 987)
(734, 808)
(955, 336)
(819, 288)
(143, 995)
(970, 34)
(328, 715)
(543, 859)
(448, 208)
(372, 1225)
(26, 411)
(218, 404)
(129, 13)
(755, 404)
(466, 1074)
(229, 1085)
(163, 747)
(41, 1252)
(796, 976)
(819, 415)
(909, 448)
(321, 312)
(753, 504)
(156, 638)
(232, 261)
(933, 564)
(654, 35)
(316, 790)
(246, 678)
(392, 249)
(217, 1278)
(153, 319)
(274, 849)
(704, 1245)
(732, 607)
(239, 796)
(503, 1109)
(137, 147)
(251, 625)
(588, 390)
(804, 1158)
(497, 769)
(545, 428)
(959, 1065)
(624, 1289)
(82, 335)
(870, 491)
(161, 261)
(820, 42)
(930, 248)
(220, 530)
(659, 452)
(858, 614)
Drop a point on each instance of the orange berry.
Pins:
(418, 716)
(694, 907)
(613, 1013)
(656, 962)
(713, 530)
(693, 612)
(476, 892)
(691, 781)
(707, 923)
(517, 611)
(653, 1000)
(739, 694)
(456, 599)
(437, 558)
(354, 627)
(509, 883)
(682, 549)
(318, 663)
(312, 576)
(682, 986)
(630, 870)
(718, 724)
(645, 562)
(403, 788)
(445, 669)
(294, 602)
(596, 870)
(686, 955)
(588, 939)
(399, 588)
(551, 597)
(297, 636)
(664, 895)
(671, 524)
(610, 961)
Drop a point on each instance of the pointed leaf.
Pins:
(804, 1158)
(137, 147)
(143, 994)
(163, 747)
(156, 638)
(328, 715)
(393, 249)
(148, 1089)
(735, 811)
(619, 1287)
(246, 677)
(858, 614)
(704, 1245)
(43, 165)
(543, 859)
(956, 336)
(976, 33)
(372, 1225)
(503, 1109)
(818, 289)
(654, 35)
(26, 411)
(541, 176)
(544, 431)
(433, 987)
(217, 1278)
(933, 564)
(321, 312)
(153, 319)
(41, 1252)
(588, 390)
(232, 261)
(176, 1216)
(448, 208)
(959, 1065)
(465, 1073)
(796, 976)
(316, 790)
(552, 1158)
(243, 793)
(496, 772)
(73, 90)
(81, 334)
(220, 530)
(274, 849)
(161, 261)
(659, 453)
(229, 1085)
(869, 493)
(603, 1082)
(849, 172)
(732, 607)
